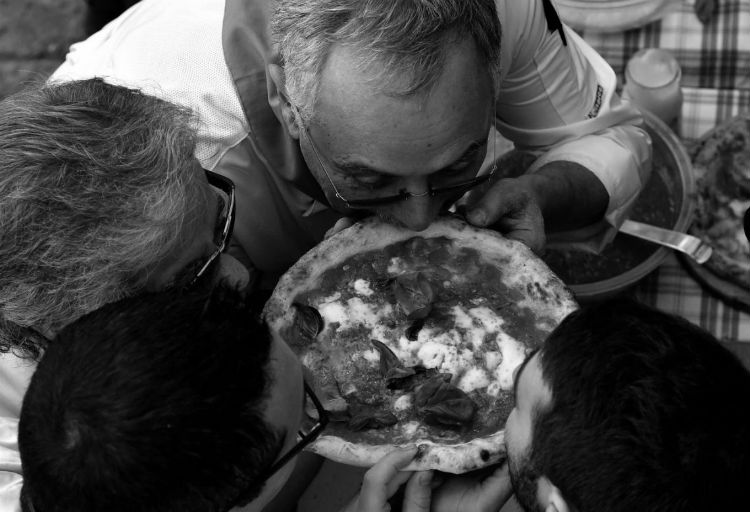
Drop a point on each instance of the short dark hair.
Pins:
(649, 413)
(151, 403)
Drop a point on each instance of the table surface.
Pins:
(715, 62)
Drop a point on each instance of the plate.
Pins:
(721, 162)
(733, 294)
(611, 15)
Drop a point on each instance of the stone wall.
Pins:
(34, 38)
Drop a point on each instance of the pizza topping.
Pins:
(444, 404)
(454, 413)
(414, 294)
(364, 417)
(390, 366)
(307, 323)
(412, 332)
(362, 287)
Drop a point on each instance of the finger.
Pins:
(383, 479)
(496, 489)
(534, 238)
(418, 492)
(341, 224)
(504, 198)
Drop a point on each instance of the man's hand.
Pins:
(341, 224)
(511, 207)
(559, 196)
(475, 492)
(383, 480)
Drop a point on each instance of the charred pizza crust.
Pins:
(721, 161)
(533, 292)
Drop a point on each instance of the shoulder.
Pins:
(172, 49)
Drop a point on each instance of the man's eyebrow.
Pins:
(357, 168)
(519, 370)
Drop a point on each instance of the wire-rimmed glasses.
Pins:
(457, 189)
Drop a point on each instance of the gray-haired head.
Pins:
(96, 184)
(405, 40)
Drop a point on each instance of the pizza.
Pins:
(721, 160)
(413, 338)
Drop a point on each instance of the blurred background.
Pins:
(35, 35)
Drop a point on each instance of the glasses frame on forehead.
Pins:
(227, 186)
(358, 204)
(304, 438)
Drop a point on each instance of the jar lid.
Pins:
(611, 15)
(652, 67)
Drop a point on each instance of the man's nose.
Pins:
(418, 212)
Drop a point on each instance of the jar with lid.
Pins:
(652, 82)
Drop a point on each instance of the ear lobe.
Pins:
(550, 497)
(278, 100)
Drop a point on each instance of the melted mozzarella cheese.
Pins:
(513, 353)
(403, 402)
(362, 287)
(396, 266)
(474, 378)
(410, 428)
(353, 313)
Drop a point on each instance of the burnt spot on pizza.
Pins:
(307, 323)
(484, 455)
(422, 450)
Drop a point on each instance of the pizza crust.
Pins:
(545, 293)
(453, 458)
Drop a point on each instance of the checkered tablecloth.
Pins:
(715, 61)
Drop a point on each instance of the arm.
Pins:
(559, 102)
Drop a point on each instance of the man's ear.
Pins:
(550, 497)
(277, 97)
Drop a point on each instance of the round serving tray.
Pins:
(678, 165)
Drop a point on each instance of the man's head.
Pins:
(389, 96)
(167, 401)
(100, 197)
(628, 408)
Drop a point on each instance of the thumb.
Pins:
(341, 224)
(418, 493)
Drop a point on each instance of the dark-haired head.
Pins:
(159, 402)
(641, 410)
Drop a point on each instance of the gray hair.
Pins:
(96, 183)
(406, 38)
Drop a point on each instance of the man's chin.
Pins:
(524, 483)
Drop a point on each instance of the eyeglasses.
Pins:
(305, 436)
(222, 237)
(457, 189)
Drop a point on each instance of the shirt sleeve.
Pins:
(559, 101)
(10, 466)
